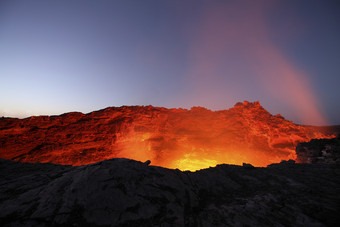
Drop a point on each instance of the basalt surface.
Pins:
(322, 151)
(174, 138)
(122, 192)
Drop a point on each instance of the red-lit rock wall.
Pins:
(174, 138)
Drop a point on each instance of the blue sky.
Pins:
(62, 56)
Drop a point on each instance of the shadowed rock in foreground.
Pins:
(319, 151)
(122, 192)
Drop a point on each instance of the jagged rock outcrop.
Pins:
(122, 192)
(319, 151)
(174, 138)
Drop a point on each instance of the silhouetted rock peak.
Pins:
(248, 104)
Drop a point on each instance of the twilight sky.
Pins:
(69, 55)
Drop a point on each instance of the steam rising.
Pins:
(227, 48)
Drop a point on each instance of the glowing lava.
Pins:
(174, 138)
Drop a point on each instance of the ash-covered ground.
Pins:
(123, 192)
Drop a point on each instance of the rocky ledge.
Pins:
(123, 192)
(319, 151)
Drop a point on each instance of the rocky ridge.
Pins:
(173, 138)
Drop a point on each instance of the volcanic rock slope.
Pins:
(168, 137)
(122, 192)
(321, 151)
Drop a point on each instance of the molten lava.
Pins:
(174, 138)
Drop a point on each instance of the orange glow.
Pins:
(200, 138)
(173, 138)
(193, 162)
(193, 152)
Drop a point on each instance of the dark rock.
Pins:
(289, 162)
(319, 151)
(148, 162)
(123, 192)
(248, 166)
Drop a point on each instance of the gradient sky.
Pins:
(62, 56)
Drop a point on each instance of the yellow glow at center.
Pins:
(192, 163)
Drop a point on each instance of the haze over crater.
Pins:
(64, 56)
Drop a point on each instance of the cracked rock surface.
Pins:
(123, 192)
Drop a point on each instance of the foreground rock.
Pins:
(173, 138)
(319, 151)
(122, 192)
